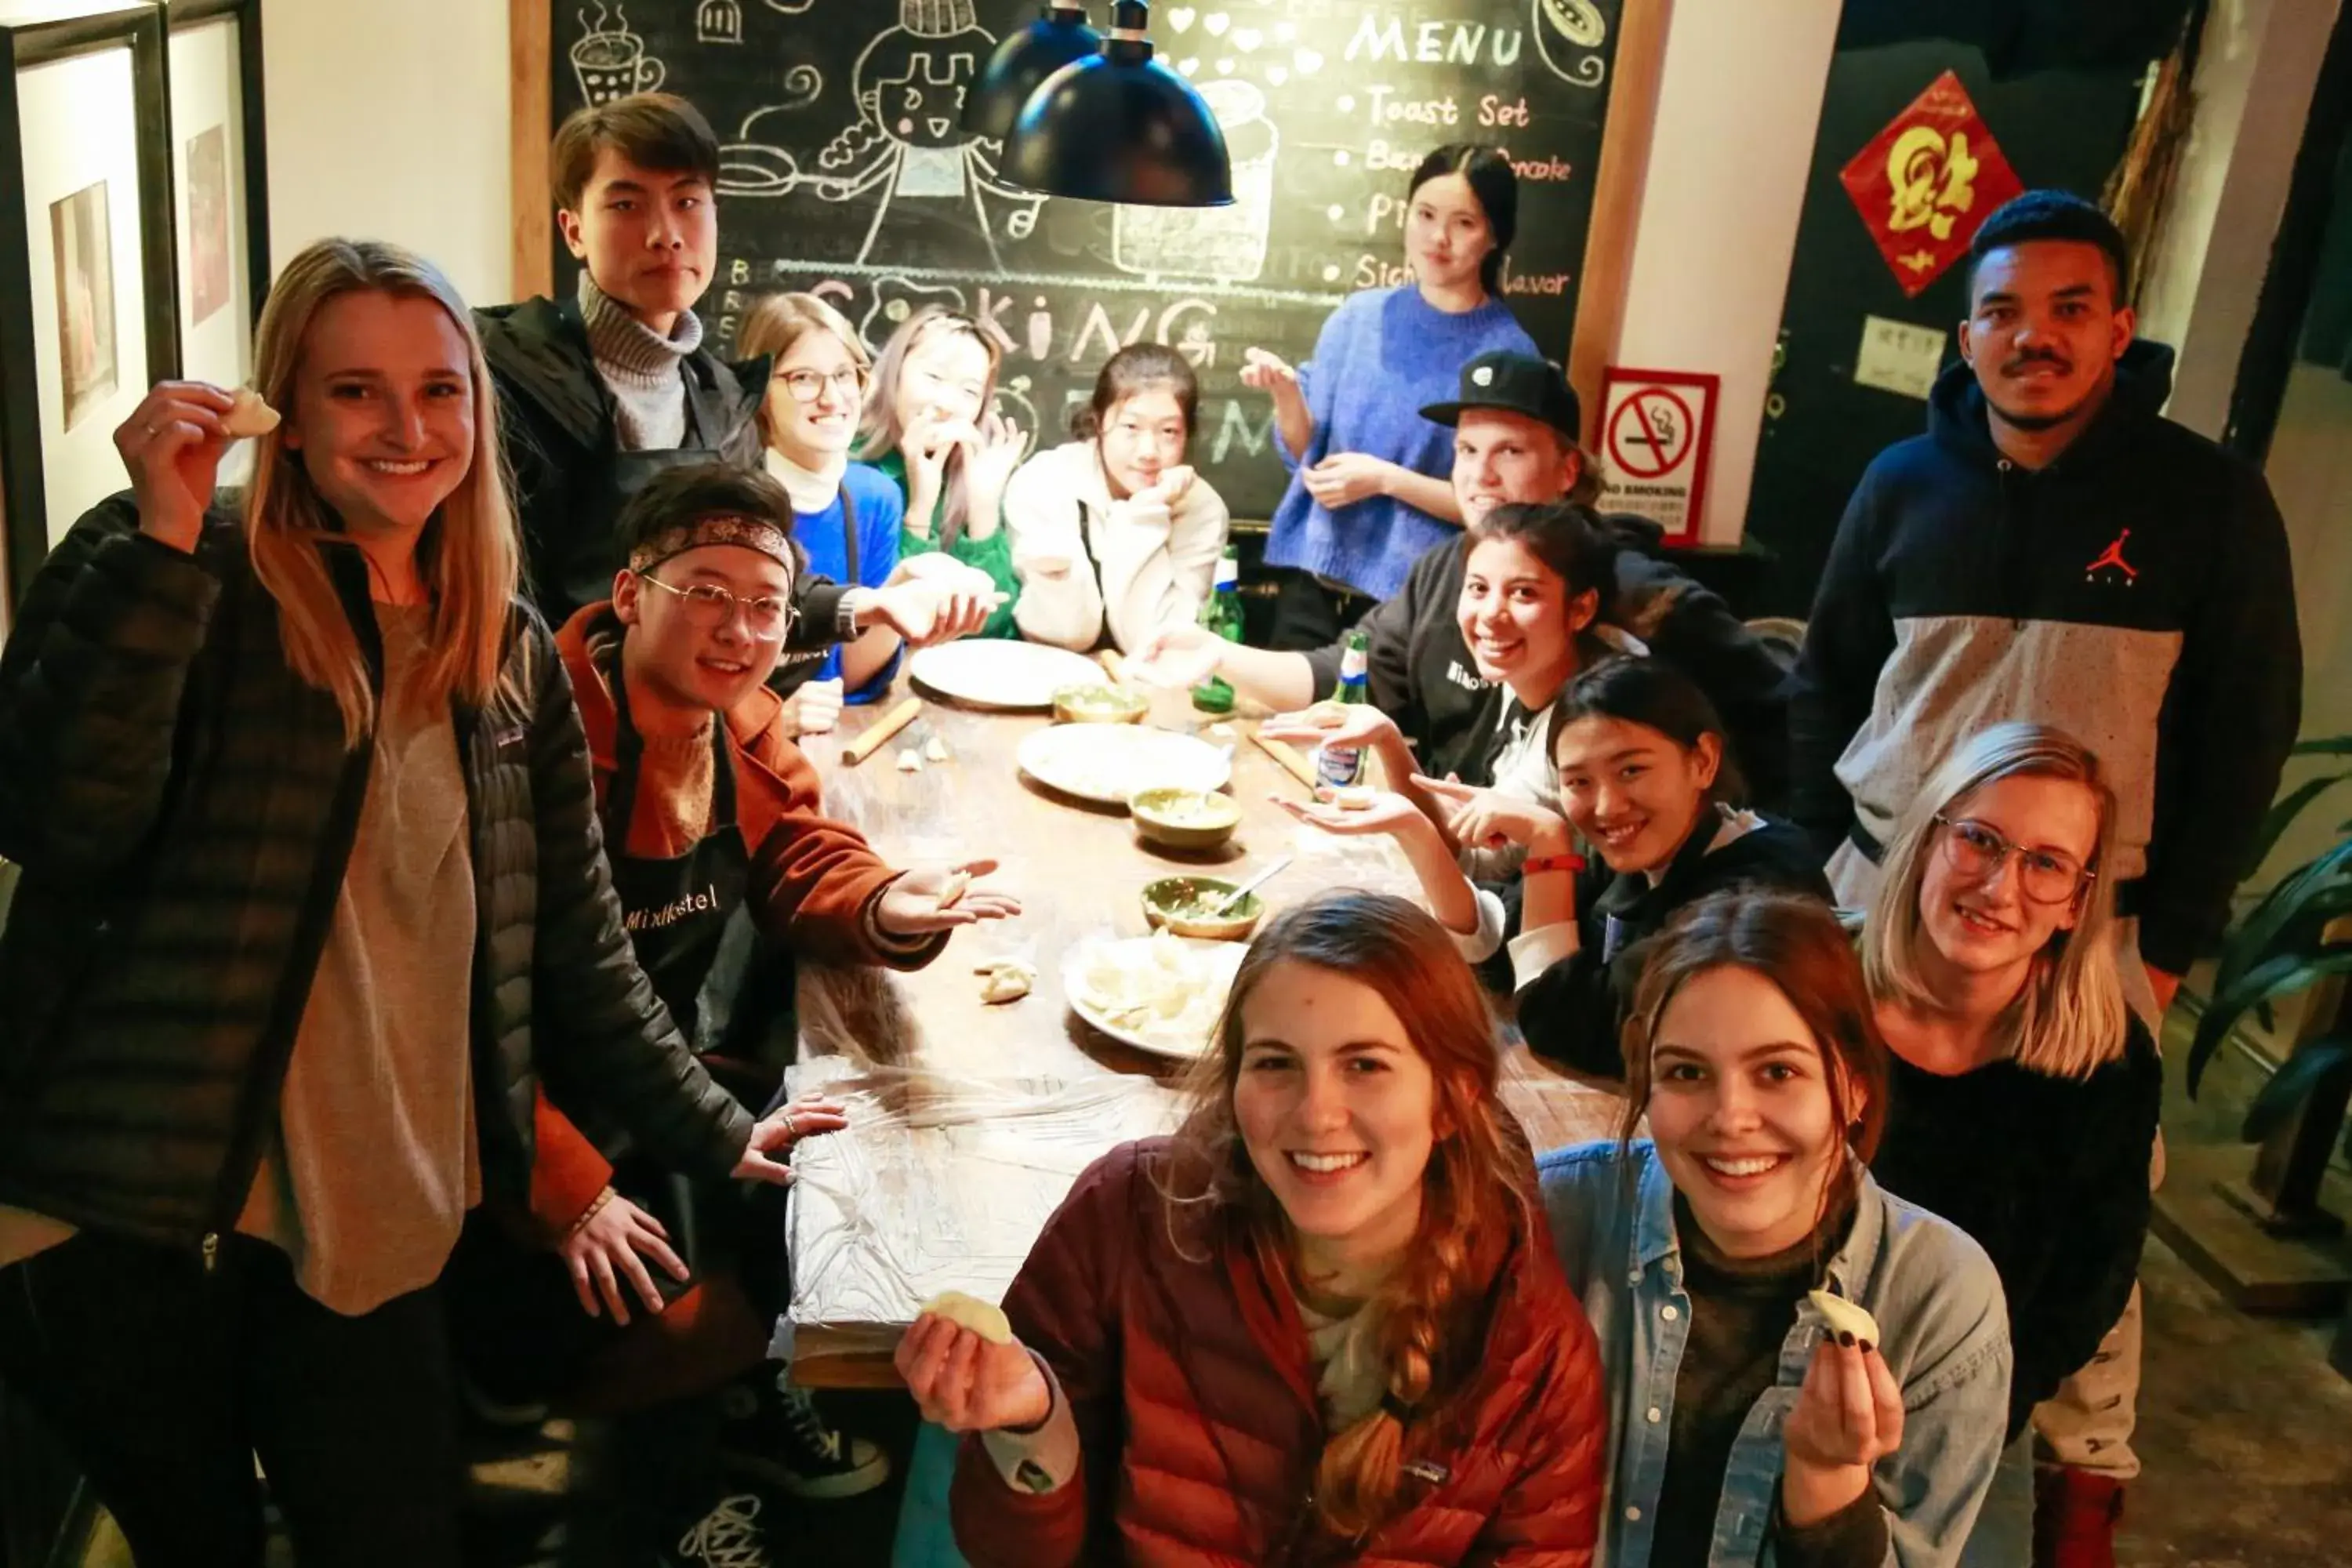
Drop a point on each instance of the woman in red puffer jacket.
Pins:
(1321, 1323)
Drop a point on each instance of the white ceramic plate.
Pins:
(1000, 673)
(1171, 970)
(1108, 763)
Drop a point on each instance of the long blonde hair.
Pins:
(2070, 1019)
(780, 321)
(1477, 1198)
(469, 554)
(879, 431)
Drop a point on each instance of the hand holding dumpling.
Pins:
(1848, 1416)
(968, 1381)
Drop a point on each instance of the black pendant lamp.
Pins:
(1058, 37)
(1119, 126)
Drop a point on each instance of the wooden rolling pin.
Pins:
(890, 724)
(1288, 756)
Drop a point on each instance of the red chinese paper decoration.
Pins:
(1925, 182)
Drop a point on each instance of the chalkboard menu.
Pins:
(846, 170)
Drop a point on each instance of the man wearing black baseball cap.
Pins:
(1515, 419)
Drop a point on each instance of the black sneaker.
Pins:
(729, 1536)
(775, 1432)
(490, 1408)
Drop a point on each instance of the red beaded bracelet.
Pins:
(1535, 863)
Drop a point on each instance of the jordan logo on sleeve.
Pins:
(2112, 559)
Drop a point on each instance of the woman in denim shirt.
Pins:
(1742, 1431)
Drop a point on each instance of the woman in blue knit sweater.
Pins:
(1369, 485)
(846, 515)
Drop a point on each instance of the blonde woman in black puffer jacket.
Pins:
(312, 898)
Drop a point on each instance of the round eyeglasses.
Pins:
(1978, 852)
(710, 606)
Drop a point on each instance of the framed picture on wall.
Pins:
(221, 188)
(90, 313)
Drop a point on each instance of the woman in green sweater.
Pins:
(928, 425)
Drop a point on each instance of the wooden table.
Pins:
(972, 1120)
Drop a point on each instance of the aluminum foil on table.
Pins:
(939, 1183)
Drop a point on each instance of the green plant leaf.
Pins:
(2324, 746)
(2294, 929)
(2282, 814)
(2275, 924)
(2303, 1073)
(2281, 975)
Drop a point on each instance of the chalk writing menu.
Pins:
(846, 170)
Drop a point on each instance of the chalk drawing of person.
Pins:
(908, 140)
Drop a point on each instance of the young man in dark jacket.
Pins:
(1515, 419)
(2053, 549)
(601, 392)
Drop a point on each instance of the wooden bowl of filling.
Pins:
(1183, 904)
(1101, 705)
(1177, 818)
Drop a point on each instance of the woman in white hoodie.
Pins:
(1114, 537)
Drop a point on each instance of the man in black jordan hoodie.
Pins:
(2054, 549)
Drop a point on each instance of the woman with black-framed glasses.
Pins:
(2024, 1093)
(847, 515)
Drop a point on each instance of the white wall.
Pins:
(1738, 103)
(2205, 272)
(390, 121)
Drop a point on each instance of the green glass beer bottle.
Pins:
(1221, 614)
(1342, 767)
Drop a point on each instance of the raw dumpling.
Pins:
(952, 894)
(1004, 980)
(1844, 1318)
(1005, 984)
(983, 1318)
(247, 415)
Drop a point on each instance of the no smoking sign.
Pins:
(1658, 432)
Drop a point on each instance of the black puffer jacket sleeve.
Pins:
(602, 1040)
(91, 686)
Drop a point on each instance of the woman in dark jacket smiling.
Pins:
(1647, 781)
(302, 803)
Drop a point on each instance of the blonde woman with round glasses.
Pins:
(2024, 1092)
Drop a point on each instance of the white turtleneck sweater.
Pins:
(812, 490)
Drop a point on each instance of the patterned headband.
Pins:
(721, 528)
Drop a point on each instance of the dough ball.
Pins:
(911, 760)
